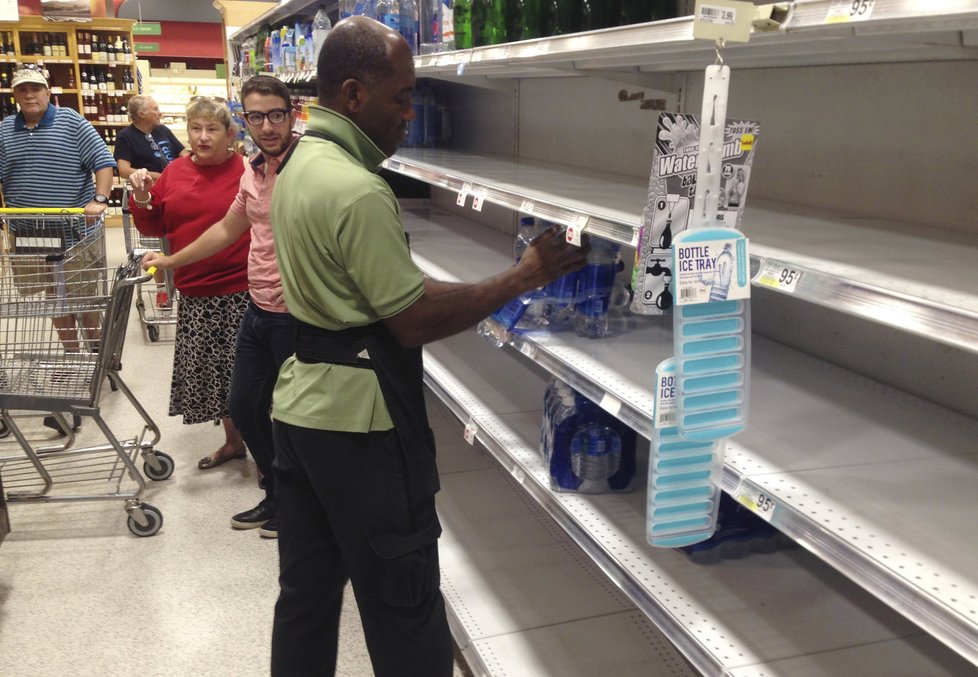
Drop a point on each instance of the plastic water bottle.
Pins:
(598, 279)
(432, 119)
(321, 25)
(564, 424)
(524, 236)
(496, 328)
(347, 8)
(430, 30)
(409, 23)
(415, 132)
(389, 13)
(447, 25)
(595, 456)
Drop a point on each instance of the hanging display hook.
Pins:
(720, 44)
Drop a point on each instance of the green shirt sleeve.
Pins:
(374, 252)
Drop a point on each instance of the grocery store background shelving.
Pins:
(863, 417)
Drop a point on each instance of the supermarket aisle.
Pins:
(79, 595)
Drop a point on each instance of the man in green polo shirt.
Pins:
(354, 466)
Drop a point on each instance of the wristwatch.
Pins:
(101, 199)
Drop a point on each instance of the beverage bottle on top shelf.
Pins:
(346, 8)
(389, 13)
(448, 24)
(409, 23)
(605, 14)
(478, 22)
(514, 20)
(429, 26)
(321, 26)
(462, 17)
(493, 22)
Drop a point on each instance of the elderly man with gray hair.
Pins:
(145, 144)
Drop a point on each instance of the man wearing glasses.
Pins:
(267, 333)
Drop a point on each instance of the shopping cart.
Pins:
(53, 268)
(156, 304)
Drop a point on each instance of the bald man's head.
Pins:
(357, 48)
(366, 72)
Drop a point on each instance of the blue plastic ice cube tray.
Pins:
(684, 486)
(712, 351)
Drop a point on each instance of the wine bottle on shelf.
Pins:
(103, 49)
(93, 47)
(71, 78)
(110, 54)
(3, 43)
(46, 45)
(4, 78)
(117, 48)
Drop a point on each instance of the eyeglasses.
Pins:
(276, 116)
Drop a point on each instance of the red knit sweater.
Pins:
(187, 199)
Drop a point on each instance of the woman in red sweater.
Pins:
(190, 195)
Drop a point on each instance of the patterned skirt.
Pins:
(203, 357)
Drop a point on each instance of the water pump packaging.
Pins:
(672, 195)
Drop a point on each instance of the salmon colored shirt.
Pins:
(253, 202)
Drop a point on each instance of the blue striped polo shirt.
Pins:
(50, 165)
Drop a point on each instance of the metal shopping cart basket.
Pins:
(156, 304)
(53, 268)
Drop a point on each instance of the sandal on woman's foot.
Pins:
(209, 462)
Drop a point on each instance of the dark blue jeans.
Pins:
(265, 340)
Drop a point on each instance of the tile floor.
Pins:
(80, 596)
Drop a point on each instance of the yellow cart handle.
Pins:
(42, 210)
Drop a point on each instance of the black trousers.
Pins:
(345, 513)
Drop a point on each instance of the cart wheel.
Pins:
(154, 332)
(166, 461)
(154, 521)
(4, 430)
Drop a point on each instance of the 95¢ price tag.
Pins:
(576, 230)
(845, 11)
(478, 197)
(778, 276)
(471, 429)
(760, 502)
(463, 194)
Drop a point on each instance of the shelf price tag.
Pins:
(760, 502)
(723, 20)
(463, 194)
(528, 349)
(478, 197)
(778, 276)
(610, 404)
(393, 165)
(470, 431)
(518, 473)
(844, 11)
(527, 206)
(576, 229)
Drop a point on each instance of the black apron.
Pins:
(400, 373)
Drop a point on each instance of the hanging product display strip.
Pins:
(711, 326)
